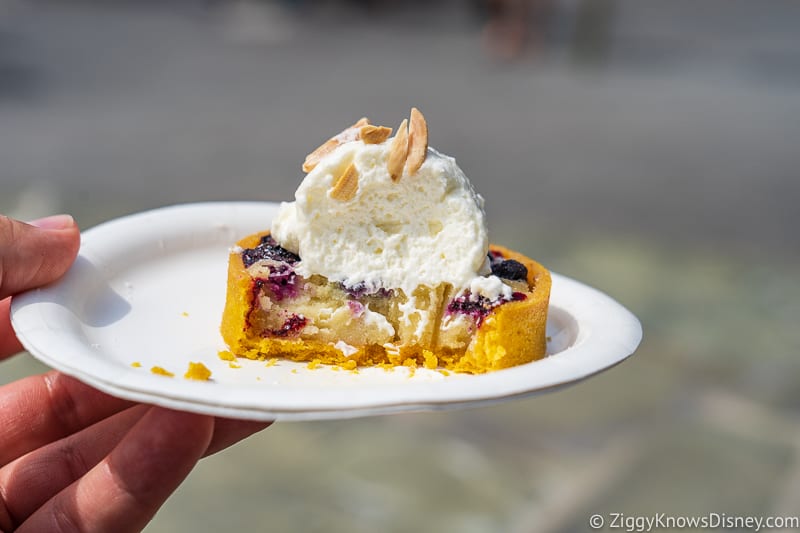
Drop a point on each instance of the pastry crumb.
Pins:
(226, 355)
(185, 314)
(350, 364)
(162, 372)
(431, 361)
(136, 364)
(314, 364)
(272, 362)
(198, 372)
(234, 365)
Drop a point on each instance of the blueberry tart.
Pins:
(383, 259)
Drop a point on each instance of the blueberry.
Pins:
(510, 269)
(291, 326)
(268, 249)
(477, 308)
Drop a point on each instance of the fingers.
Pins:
(9, 344)
(32, 255)
(228, 432)
(123, 491)
(30, 481)
(41, 409)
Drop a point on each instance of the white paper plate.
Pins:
(150, 288)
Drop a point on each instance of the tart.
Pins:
(383, 259)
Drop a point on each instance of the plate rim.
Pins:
(41, 339)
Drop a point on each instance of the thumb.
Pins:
(34, 254)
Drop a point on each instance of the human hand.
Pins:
(73, 458)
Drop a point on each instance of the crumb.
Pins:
(314, 364)
(444, 372)
(234, 365)
(272, 362)
(136, 364)
(549, 338)
(431, 361)
(197, 371)
(226, 355)
(258, 378)
(294, 371)
(184, 314)
(161, 372)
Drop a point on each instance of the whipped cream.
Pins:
(427, 229)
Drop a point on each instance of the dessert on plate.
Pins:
(384, 259)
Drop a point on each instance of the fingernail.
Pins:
(53, 222)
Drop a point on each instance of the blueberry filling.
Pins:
(361, 289)
(478, 308)
(356, 308)
(291, 326)
(268, 249)
(282, 282)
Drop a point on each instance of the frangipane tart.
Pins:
(384, 259)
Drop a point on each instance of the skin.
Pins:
(73, 459)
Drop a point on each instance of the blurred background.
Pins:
(648, 148)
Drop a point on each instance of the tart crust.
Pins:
(511, 334)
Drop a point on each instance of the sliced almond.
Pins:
(418, 141)
(345, 136)
(346, 186)
(398, 152)
(374, 134)
(312, 159)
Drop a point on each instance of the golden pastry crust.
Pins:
(511, 334)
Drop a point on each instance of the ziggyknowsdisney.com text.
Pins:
(654, 522)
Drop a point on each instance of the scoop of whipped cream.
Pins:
(427, 228)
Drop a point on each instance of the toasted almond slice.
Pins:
(363, 121)
(398, 152)
(417, 140)
(345, 136)
(346, 186)
(374, 134)
(312, 159)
